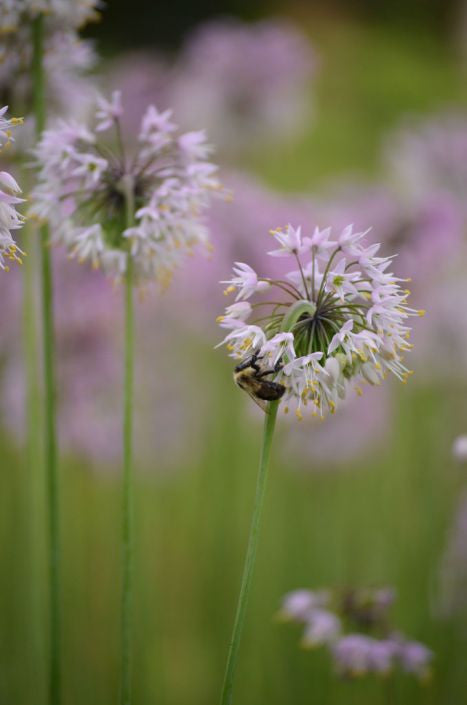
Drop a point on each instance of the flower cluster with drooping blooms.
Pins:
(338, 319)
(372, 647)
(106, 205)
(10, 219)
(67, 13)
(245, 82)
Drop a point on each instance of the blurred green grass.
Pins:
(382, 521)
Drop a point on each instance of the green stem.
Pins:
(268, 432)
(33, 469)
(127, 510)
(49, 391)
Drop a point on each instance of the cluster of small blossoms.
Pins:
(338, 319)
(10, 219)
(429, 157)
(68, 13)
(354, 626)
(246, 82)
(106, 206)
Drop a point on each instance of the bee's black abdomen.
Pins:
(270, 391)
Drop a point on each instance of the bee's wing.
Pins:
(260, 402)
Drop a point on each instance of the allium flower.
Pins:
(430, 157)
(356, 654)
(413, 657)
(322, 627)
(10, 219)
(244, 82)
(68, 13)
(337, 320)
(300, 604)
(105, 205)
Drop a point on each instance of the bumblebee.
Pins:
(251, 378)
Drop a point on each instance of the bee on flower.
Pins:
(10, 219)
(108, 205)
(337, 320)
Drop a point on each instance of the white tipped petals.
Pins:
(108, 111)
(10, 219)
(339, 319)
(246, 281)
(290, 240)
(106, 206)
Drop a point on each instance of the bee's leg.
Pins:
(274, 370)
(249, 362)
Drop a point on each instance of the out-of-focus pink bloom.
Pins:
(379, 650)
(245, 83)
(143, 79)
(429, 156)
(299, 604)
(89, 374)
(425, 233)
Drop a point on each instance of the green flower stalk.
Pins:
(268, 433)
(50, 434)
(135, 213)
(127, 504)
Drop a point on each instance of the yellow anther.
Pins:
(299, 414)
(219, 319)
(421, 312)
(229, 290)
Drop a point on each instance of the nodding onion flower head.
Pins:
(67, 13)
(107, 205)
(339, 318)
(10, 219)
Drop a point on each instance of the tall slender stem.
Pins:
(49, 391)
(34, 476)
(127, 509)
(268, 432)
